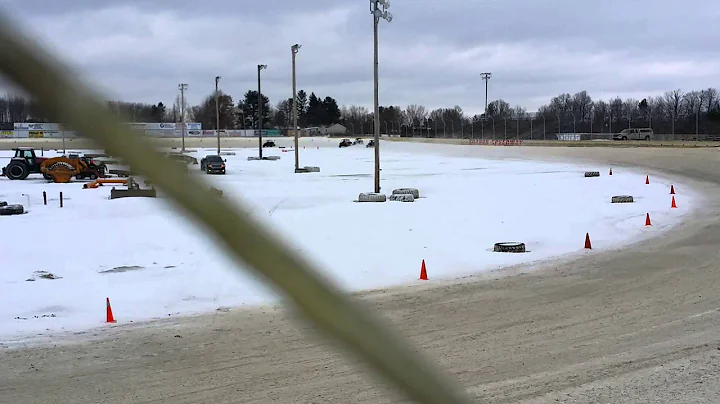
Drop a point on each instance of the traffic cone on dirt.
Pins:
(647, 220)
(423, 272)
(610, 172)
(672, 190)
(109, 315)
(647, 180)
(587, 241)
(673, 204)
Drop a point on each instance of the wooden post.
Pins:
(45, 198)
(61, 200)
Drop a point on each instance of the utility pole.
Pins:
(294, 49)
(260, 111)
(486, 77)
(182, 87)
(378, 13)
(217, 113)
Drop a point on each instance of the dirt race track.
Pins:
(638, 325)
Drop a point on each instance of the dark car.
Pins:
(212, 164)
(370, 143)
(345, 143)
(358, 141)
(269, 143)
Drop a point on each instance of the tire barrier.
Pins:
(622, 199)
(509, 247)
(371, 197)
(592, 174)
(9, 210)
(402, 198)
(497, 142)
(411, 191)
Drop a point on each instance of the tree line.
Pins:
(674, 112)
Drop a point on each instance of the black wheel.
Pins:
(647, 138)
(511, 247)
(47, 177)
(17, 171)
(11, 210)
(79, 176)
(93, 176)
(624, 138)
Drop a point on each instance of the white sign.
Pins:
(36, 126)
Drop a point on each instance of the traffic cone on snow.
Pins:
(423, 272)
(647, 220)
(587, 241)
(672, 190)
(647, 180)
(673, 204)
(109, 315)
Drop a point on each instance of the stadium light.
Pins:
(378, 8)
(294, 49)
(260, 67)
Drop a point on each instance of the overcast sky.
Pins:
(431, 53)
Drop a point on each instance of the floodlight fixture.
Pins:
(261, 67)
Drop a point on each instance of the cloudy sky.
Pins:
(431, 53)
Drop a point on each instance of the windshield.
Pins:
(213, 159)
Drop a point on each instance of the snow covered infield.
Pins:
(153, 263)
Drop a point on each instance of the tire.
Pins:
(509, 247)
(621, 199)
(3, 203)
(592, 173)
(647, 138)
(93, 176)
(11, 210)
(79, 177)
(17, 171)
(407, 191)
(402, 198)
(371, 197)
(624, 138)
(47, 177)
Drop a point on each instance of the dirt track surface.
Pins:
(633, 326)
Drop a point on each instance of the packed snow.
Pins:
(59, 264)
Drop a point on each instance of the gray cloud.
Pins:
(431, 54)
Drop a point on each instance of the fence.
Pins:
(172, 132)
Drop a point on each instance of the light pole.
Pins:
(260, 112)
(217, 113)
(182, 87)
(486, 77)
(378, 8)
(294, 49)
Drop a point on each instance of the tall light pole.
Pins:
(486, 77)
(182, 87)
(294, 49)
(378, 8)
(217, 112)
(260, 112)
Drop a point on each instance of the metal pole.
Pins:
(486, 77)
(217, 113)
(260, 112)
(183, 87)
(294, 50)
(377, 106)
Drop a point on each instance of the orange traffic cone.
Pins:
(647, 180)
(110, 318)
(647, 220)
(587, 241)
(673, 204)
(672, 190)
(423, 272)
(610, 172)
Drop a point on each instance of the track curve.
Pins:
(636, 325)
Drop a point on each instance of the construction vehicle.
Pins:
(57, 169)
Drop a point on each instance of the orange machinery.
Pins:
(99, 182)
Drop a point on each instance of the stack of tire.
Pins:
(8, 210)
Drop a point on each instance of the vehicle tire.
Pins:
(3, 203)
(412, 191)
(509, 247)
(93, 176)
(79, 177)
(647, 138)
(17, 171)
(624, 138)
(621, 199)
(402, 198)
(11, 210)
(47, 177)
(592, 173)
(371, 197)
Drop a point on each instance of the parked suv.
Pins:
(634, 134)
(212, 164)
